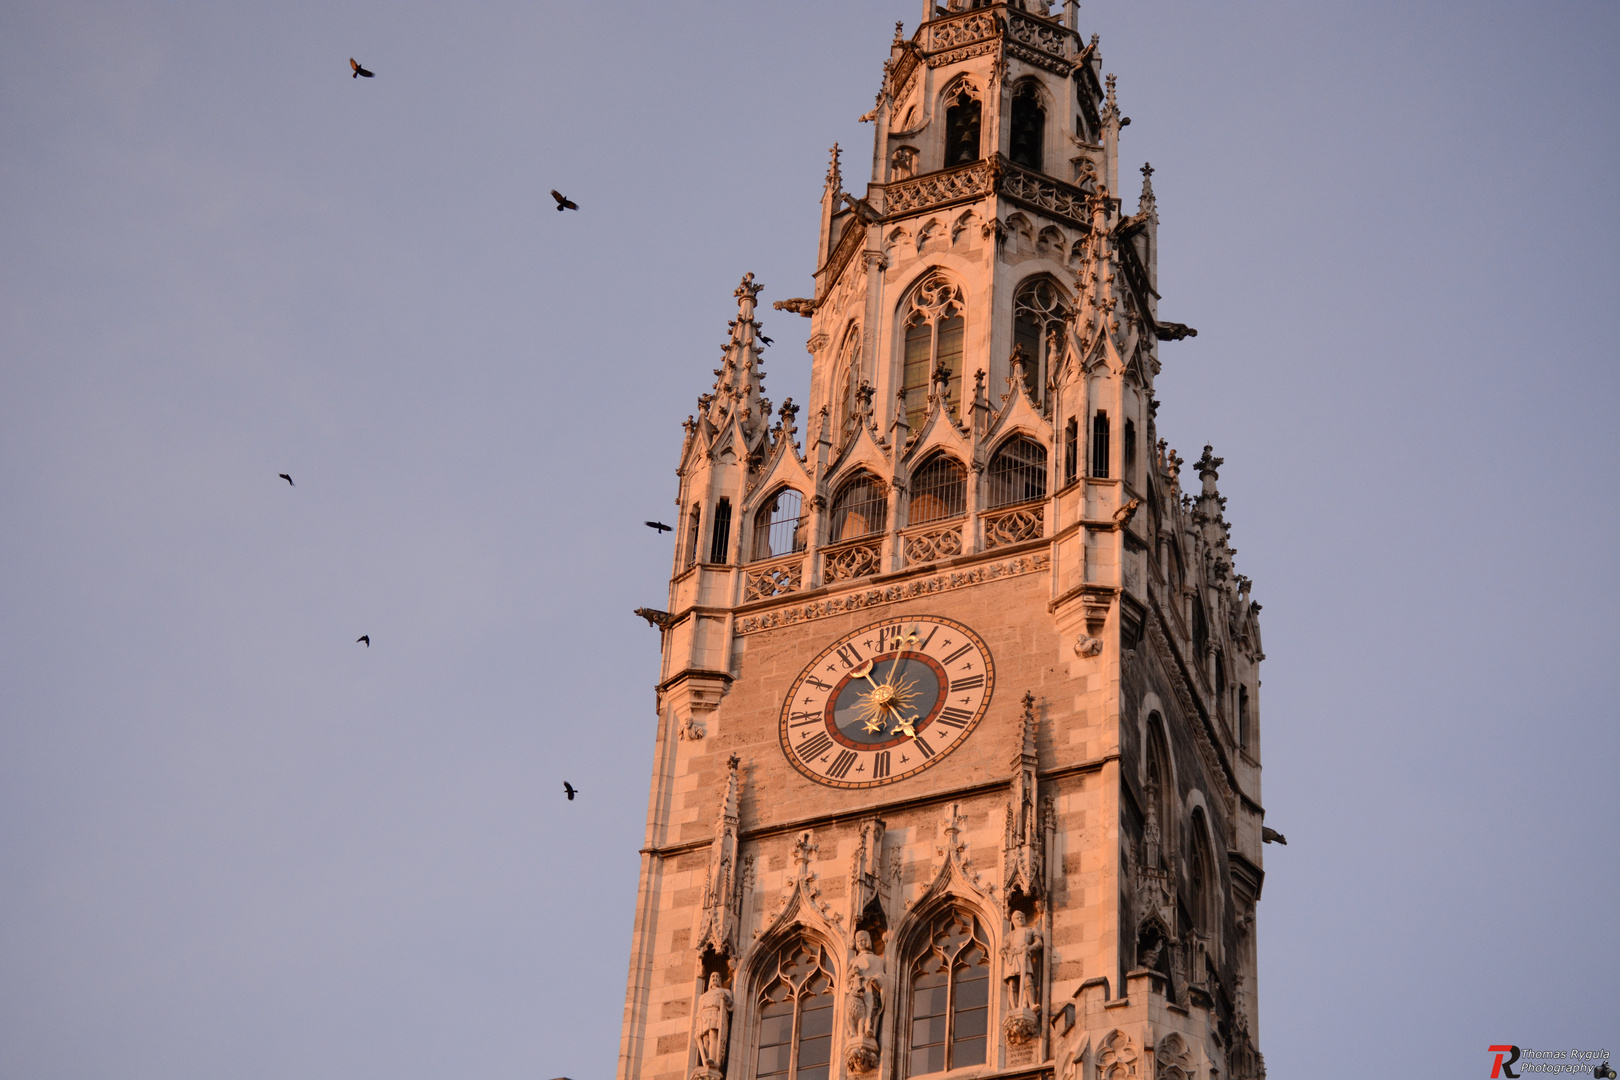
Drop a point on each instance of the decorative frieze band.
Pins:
(889, 594)
(939, 189)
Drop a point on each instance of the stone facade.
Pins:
(1070, 891)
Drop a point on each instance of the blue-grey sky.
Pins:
(235, 843)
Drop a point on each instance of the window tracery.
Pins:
(935, 332)
(950, 996)
(795, 1021)
(1040, 311)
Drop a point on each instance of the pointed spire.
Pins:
(1021, 850)
(835, 177)
(1209, 471)
(722, 900)
(1111, 102)
(1147, 201)
(740, 378)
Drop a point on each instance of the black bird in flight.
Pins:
(659, 525)
(365, 638)
(287, 478)
(360, 72)
(563, 201)
(570, 790)
(766, 340)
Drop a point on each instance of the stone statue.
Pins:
(865, 1005)
(1023, 964)
(713, 1027)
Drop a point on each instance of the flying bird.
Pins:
(766, 340)
(570, 790)
(365, 638)
(360, 72)
(659, 525)
(287, 478)
(563, 201)
(1272, 836)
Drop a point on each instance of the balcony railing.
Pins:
(1014, 524)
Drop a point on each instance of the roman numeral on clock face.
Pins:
(968, 683)
(957, 655)
(922, 744)
(956, 718)
(880, 765)
(841, 764)
(815, 745)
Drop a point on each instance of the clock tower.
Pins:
(958, 745)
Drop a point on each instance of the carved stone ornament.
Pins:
(1117, 1057)
(1022, 964)
(722, 898)
(867, 883)
(863, 1008)
(1086, 645)
(1021, 854)
(691, 730)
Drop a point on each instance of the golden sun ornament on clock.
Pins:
(887, 701)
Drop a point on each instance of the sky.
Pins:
(234, 842)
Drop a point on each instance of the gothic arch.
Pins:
(857, 511)
(931, 325)
(758, 971)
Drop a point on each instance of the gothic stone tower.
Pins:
(958, 752)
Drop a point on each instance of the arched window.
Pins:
(720, 531)
(795, 1015)
(950, 996)
(1099, 444)
(1039, 311)
(1159, 794)
(860, 509)
(1028, 126)
(778, 526)
(847, 404)
(1017, 473)
(1243, 717)
(934, 338)
(938, 490)
(1201, 879)
(961, 125)
(693, 520)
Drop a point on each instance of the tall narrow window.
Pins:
(693, 520)
(796, 1016)
(849, 383)
(860, 509)
(1243, 717)
(1039, 311)
(1028, 126)
(1160, 797)
(1201, 872)
(1220, 681)
(938, 490)
(934, 338)
(1130, 451)
(1099, 444)
(950, 996)
(961, 126)
(1071, 449)
(1017, 473)
(778, 526)
(720, 536)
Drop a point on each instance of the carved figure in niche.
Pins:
(1023, 961)
(865, 988)
(903, 164)
(713, 1026)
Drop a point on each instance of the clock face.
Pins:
(887, 701)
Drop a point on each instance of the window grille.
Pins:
(692, 521)
(1071, 449)
(961, 126)
(1099, 444)
(796, 1016)
(1130, 451)
(860, 509)
(938, 490)
(1039, 309)
(720, 540)
(1017, 473)
(778, 526)
(1028, 126)
(950, 996)
(935, 331)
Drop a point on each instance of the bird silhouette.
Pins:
(360, 72)
(563, 201)
(1272, 836)
(659, 525)
(570, 790)
(766, 340)
(287, 478)
(365, 638)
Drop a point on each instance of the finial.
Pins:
(1147, 201)
(1147, 169)
(1112, 100)
(899, 33)
(835, 178)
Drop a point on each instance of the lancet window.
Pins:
(1039, 311)
(938, 490)
(1159, 798)
(720, 531)
(795, 1015)
(1028, 126)
(1201, 875)
(779, 526)
(861, 508)
(1099, 444)
(693, 520)
(847, 404)
(935, 331)
(1017, 472)
(950, 996)
(962, 111)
